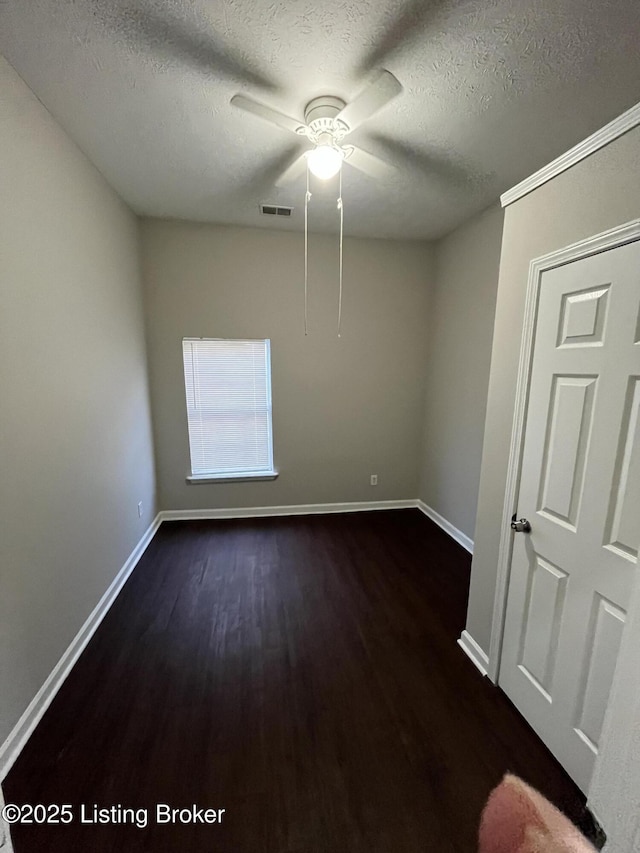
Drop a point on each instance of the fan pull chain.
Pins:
(341, 209)
(307, 199)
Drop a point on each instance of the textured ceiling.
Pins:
(493, 90)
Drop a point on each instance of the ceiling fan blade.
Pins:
(186, 39)
(294, 171)
(382, 89)
(369, 164)
(266, 113)
(409, 24)
(436, 164)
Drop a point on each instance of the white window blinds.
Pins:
(228, 389)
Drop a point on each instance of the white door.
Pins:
(572, 575)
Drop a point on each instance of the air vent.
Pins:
(275, 210)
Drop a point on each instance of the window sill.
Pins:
(246, 477)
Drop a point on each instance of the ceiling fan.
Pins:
(327, 121)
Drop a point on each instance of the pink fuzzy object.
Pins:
(517, 819)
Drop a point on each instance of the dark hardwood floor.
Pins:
(301, 673)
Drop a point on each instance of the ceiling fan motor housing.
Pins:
(320, 116)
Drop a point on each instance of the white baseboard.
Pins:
(474, 652)
(25, 726)
(5, 835)
(460, 537)
(294, 509)
(319, 509)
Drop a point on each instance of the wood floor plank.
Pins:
(301, 673)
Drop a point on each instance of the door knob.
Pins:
(521, 525)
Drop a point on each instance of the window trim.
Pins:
(195, 479)
(238, 476)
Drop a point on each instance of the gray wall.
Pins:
(75, 435)
(596, 194)
(457, 366)
(342, 408)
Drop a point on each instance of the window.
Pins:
(228, 390)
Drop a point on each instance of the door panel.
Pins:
(603, 645)
(565, 454)
(571, 577)
(545, 604)
(582, 317)
(622, 521)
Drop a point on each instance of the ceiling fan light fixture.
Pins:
(327, 120)
(325, 161)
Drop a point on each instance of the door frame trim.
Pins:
(611, 239)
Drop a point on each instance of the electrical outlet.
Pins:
(140, 509)
(374, 479)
